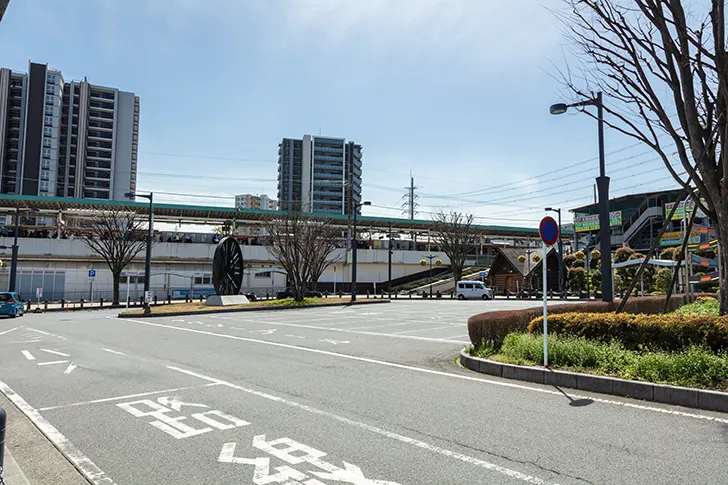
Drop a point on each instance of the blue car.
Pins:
(11, 304)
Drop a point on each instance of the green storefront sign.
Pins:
(591, 223)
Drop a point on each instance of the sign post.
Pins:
(38, 295)
(91, 277)
(549, 231)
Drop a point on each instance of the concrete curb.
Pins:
(254, 309)
(646, 391)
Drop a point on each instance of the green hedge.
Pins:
(637, 332)
(490, 328)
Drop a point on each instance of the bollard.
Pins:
(101, 302)
(3, 420)
(45, 305)
(155, 299)
(395, 295)
(169, 299)
(266, 295)
(128, 301)
(187, 298)
(200, 298)
(81, 303)
(438, 294)
(410, 295)
(367, 293)
(28, 303)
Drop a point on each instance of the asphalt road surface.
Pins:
(360, 395)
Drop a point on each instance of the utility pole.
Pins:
(410, 199)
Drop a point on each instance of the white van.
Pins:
(473, 289)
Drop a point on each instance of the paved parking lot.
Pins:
(317, 396)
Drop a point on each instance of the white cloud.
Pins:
(481, 30)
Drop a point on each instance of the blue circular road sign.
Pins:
(549, 230)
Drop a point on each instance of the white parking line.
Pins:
(128, 396)
(82, 462)
(422, 330)
(27, 355)
(55, 352)
(112, 351)
(373, 429)
(46, 333)
(346, 330)
(54, 362)
(8, 331)
(665, 411)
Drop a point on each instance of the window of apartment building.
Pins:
(136, 137)
(45, 174)
(46, 153)
(47, 142)
(50, 99)
(203, 280)
(48, 120)
(136, 117)
(133, 156)
(133, 176)
(51, 78)
(133, 165)
(47, 131)
(133, 146)
(45, 163)
(50, 90)
(136, 127)
(50, 111)
(44, 186)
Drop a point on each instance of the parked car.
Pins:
(288, 293)
(11, 304)
(473, 289)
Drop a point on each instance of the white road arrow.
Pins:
(265, 332)
(176, 404)
(70, 368)
(352, 474)
(335, 342)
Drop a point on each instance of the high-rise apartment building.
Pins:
(319, 174)
(250, 201)
(66, 139)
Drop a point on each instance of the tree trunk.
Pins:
(722, 253)
(116, 277)
(457, 272)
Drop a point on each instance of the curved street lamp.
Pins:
(354, 250)
(605, 243)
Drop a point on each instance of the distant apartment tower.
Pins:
(319, 174)
(66, 139)
(250, 201)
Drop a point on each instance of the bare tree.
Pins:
(455, 235)
(117, 237)
(303, 247)
(664, 72)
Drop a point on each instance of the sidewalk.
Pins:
(12, 474)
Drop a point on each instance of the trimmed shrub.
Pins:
(668, 254)
(580, 255)
(577, 278)
(623, 254)
(569, 260)
(596, 254)
(492, 327)
(663, 279)
(579, 263)
(640, 331)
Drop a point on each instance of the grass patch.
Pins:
(704, 305)
(691, 367)
(201, 307)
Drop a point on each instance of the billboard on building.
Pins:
(591, 223)
(676, 238)
(680, 211)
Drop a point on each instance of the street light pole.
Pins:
(354, 250)
(148, 261)
(150, 242)
(605, 243)
(14, 262)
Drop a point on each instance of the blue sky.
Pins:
(456, 91)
